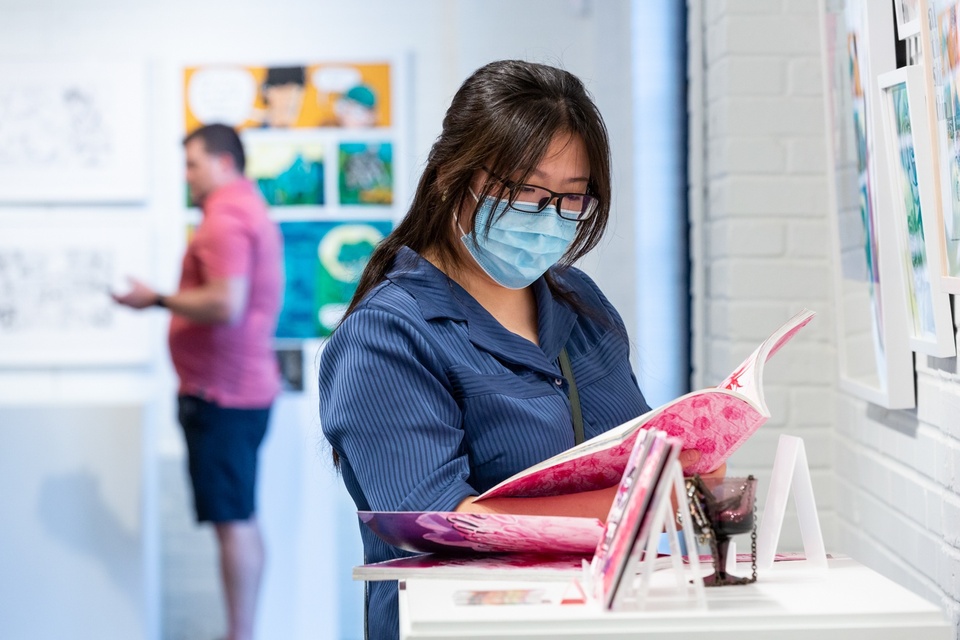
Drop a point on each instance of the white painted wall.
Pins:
(443, 41)
(887, 483)
(759, 226)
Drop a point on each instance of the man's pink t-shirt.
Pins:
(232, 364)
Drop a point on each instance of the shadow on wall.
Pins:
(72, 509)
(73, 554)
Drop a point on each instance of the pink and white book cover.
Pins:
(715, 421)
(513, 566)
(455, 532)
(627, 512)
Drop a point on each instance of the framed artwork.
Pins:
(55, 304)
(940, 26)
(908, 17)
(319, 136)
(325, 142)
(875, 359)
(911, 165)
(79, 126)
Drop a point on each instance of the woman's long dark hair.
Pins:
(504, 118)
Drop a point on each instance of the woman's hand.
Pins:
(690, 457)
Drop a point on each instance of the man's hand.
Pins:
(140, 296)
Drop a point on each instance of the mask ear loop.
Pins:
(456, 217)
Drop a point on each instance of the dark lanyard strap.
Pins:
(567, 371)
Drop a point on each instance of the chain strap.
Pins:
(753, 545)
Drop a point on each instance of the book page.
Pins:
(747, 379)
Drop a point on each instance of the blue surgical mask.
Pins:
(520, 246)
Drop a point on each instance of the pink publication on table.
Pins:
(451, 532)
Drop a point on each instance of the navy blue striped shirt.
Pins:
(428, 399)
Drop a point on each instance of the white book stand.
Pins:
(790, 471)
(635, 585)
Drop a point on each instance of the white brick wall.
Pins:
(887, 483)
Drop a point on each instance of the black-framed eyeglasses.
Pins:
(531, 198)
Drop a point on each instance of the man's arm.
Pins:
(218, 301)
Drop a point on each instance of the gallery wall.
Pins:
(141, 224)
(886, 479)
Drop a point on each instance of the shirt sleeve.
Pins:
(386, 406)
(224, 247)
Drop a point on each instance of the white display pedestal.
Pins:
(791, 601)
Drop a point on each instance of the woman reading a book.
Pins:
(446, 375)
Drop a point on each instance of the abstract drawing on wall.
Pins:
(911, 161)
(366, 173)
(323, 261)
(340, 94)
(55, 306)
(72, 132)
(287, 172)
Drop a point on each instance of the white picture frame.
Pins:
(911, 163)
(942, 78)
(875, 359)
(73, 132)
(908, 17)
(55, 283)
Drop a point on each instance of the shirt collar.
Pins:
(440, 297)
(238, 187)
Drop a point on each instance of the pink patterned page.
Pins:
(715, 421)
(451, 532)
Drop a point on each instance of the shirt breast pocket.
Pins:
(510, 421)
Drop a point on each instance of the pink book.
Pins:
(631, 506)
(455, 532)
(505, 566)
(715, 421)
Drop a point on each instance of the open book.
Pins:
(715, 421)
(455, 532)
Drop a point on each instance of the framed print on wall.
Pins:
(940, 27)
(911, 166)
(908, 17)
(55, 284)
(875, 359)
(73, 132)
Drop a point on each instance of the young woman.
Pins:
(444, 377)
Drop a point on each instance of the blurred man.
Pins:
(224, 317)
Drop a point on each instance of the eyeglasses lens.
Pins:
(571, 206)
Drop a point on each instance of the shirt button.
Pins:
(558, 382)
